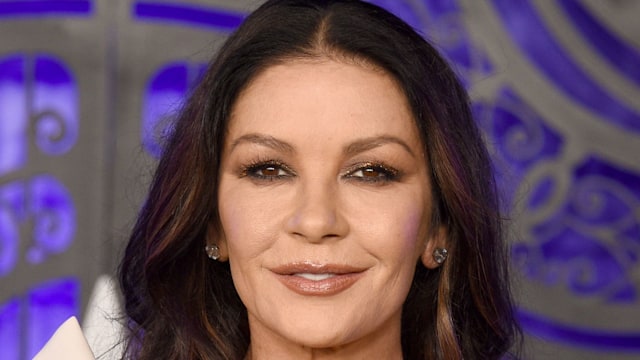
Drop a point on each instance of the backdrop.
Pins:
(86, 88)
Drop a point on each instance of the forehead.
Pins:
(323, 98)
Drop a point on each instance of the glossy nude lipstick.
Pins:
(312, 279)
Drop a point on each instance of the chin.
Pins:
(318, 336)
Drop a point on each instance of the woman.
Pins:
(324, 193)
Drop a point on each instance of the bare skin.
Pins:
(325, 204)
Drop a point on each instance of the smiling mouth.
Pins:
(310, 279)
(315, 277)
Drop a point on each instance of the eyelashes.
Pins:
(376, 173)
(269, 170)
(372, 172)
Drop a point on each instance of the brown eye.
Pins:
(373, 174)
(269, 170)
(370, 173)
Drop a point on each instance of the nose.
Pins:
(316, 215)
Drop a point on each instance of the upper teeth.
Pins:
(314, 277)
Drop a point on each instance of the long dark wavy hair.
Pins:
(181, 305)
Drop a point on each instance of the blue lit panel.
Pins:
(39, 105)
(52, 108)
(27, 322)
(47, 8)
(55, 106)
(10, 330)
(9, 247)
(12, 214)
(48, 207)
(163, 98)
(48, 306)
(53, 218)
(13, 114)
(187, 14)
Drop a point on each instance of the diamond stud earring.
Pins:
(213, 251)
(440, 255)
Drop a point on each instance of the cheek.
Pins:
(412, 231)
(245, 226)
(399, 231)
(237, 226)
(411, 228)
(249, 234)
(233, 220)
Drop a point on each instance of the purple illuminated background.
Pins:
(38, 105)
(45, 8)
(564, 249)
(162, 100)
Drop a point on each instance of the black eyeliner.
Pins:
(250, 169)
(389, 173)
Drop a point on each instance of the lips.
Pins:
(311, 279)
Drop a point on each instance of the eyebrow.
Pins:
(362, 145)
(354, 148)
(264, 140)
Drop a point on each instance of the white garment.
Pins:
(102, 322)
(66, 343)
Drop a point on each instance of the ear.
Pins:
(216, 237)
(437, 240)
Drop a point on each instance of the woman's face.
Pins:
(325, 204)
